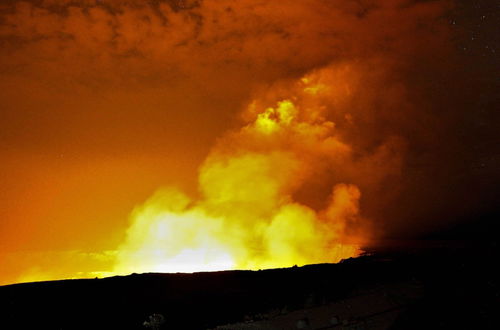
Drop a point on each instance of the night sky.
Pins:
(104, 102)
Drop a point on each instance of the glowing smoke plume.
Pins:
(247, 216)
(104, 101)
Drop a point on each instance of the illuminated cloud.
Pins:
(365, 102)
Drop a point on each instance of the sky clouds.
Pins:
(134, 95)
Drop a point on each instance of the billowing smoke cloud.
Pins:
(247, 216)
(113, 42)
(391, 111)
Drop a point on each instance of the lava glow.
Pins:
(247, 217)
(199, 135)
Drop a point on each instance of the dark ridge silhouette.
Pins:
(460, 291)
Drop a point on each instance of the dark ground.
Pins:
(460, 283)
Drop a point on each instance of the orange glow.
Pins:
(140, 136)
(247, 217)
